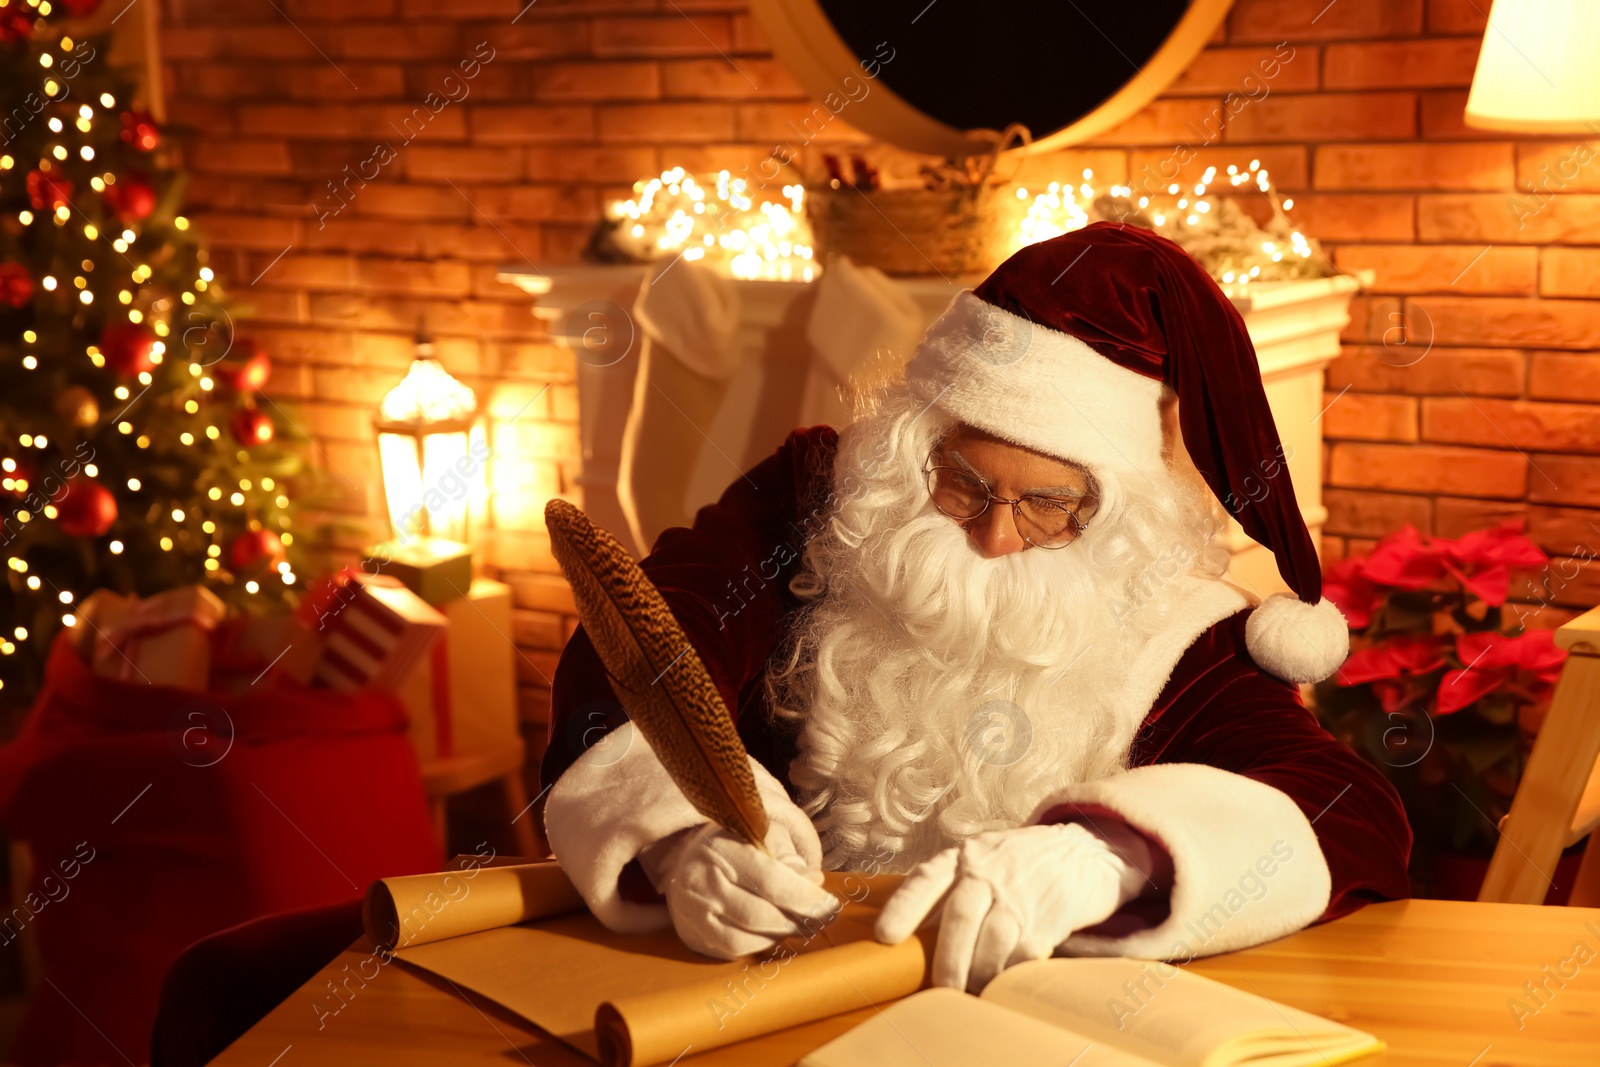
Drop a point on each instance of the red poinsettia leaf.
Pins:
(1479, 648)
(1419, 654)
(1403, 560)
(1351, 592)
(1536, 652)
(1368, 665)
(1490, 584)
(1393, 658)
(1393, 694)
(1533, 651)
(1504, 544)
(1463, 688)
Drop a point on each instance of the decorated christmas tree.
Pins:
(138, 453)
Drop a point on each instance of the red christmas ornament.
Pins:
(46, 192)
(139, 130)
(16, 285)
(251, 426)
(16, 23)
(132, 197)
(86, 509)
(254, 547)
(246, 368)
(127, 347)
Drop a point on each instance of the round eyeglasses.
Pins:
(1043, 521)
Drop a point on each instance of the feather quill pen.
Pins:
(658, 676)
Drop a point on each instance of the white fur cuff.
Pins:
(618, 799)
(1247, 867)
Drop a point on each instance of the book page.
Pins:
(1166, 1014)
(944, 1028)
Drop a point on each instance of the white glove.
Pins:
(1009, 896)
(617, 802)
(727, 898)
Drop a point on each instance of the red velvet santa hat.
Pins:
(1067, 349)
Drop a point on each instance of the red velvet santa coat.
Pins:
(1261, 821)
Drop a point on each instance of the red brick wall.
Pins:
(1468, 390)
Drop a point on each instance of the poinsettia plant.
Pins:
(1445, 686)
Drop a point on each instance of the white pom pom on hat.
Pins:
(1296, 641)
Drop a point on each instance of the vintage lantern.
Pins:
(432, 450)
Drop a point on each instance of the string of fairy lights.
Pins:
(130, 300)
(716, 218)
(1222, 237)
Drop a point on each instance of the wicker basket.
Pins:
(918, 231)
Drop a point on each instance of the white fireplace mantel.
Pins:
(1295, 327)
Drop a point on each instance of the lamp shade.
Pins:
(1538, 70)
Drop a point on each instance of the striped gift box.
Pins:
(380, 633)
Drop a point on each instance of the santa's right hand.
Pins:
(728, 898)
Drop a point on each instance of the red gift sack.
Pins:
(158, 815)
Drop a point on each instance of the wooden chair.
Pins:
(1558, 802)
(444, 778)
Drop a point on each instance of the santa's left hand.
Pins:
(1009, 896)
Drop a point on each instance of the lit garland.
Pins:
(1212, 228)
(716, 220)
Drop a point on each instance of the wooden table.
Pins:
(1437, 980)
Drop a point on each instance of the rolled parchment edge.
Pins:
(505, 896)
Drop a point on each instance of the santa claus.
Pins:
(982, 635)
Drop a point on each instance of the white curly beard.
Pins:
(941, 694)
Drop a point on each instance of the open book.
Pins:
(1089, 1012)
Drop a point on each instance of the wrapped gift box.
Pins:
(161, 640)
(374, 634)
(263, 650)
(437, 570)
(462, 697)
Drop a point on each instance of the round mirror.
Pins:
(945, 77)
